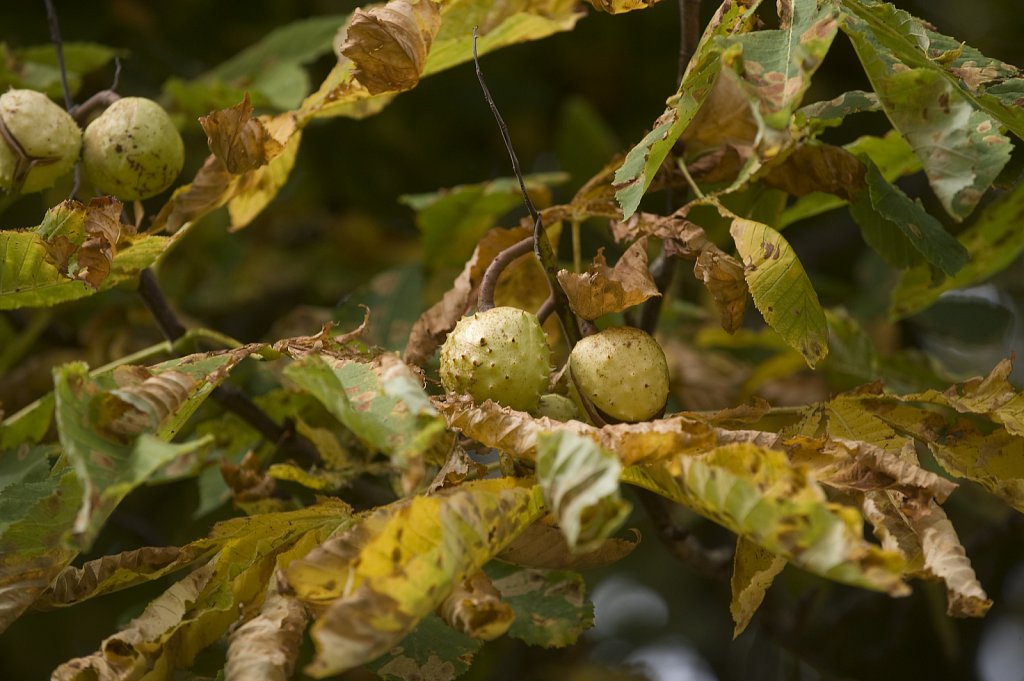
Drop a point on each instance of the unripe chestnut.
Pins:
(500, 354)
(623, 372)
(132, 150)
(45, 132)
(556, 407)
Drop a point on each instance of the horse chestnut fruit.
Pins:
(623, 372)
(45, 132)
(500, 354)
(132, 150)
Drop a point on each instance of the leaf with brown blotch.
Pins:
(859, 466)
(543, 545)
(375, 582)
(433, 325)
(143, 400)
(993, 396)
(388, 45)
(922, 532)
(621, 6)
(818, 167)
(242, 142)
(265, 648)
(760, 495)
(604, 290)
(754, 568)
(475, 609)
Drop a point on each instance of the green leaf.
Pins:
(270, 69)
(551, 606)
(35, 68)
(380, 401)
(991, 86)
(432, 651)
(643, 161)
(993, 242)
(779, 64)
(373, 584)
(815, 118)
(99, 445)
(960, 146)
(758, 494)
(780, 288)
(53, 263)
(884, 214)
(890, 153)
(580, 481)
(453, 220)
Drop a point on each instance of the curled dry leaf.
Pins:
(85, 256)
(817, 167)
(242, 142)
(720, 273)
(433, 325)
(603, 290)
(475, 608)
(389, 45)
(921, 531)
(143, 400)
(265, 647)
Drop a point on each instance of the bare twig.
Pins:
(58, 46)
(497, 266)
(689, 31)
(541, 244)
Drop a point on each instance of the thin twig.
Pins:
(541, 244)
(227, 395)
(485, 300)
(689, 31)
(58, 46)
(663, 271)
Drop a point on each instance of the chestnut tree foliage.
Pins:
(379, 522)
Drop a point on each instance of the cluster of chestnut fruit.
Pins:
(501, 354)
(132, 150)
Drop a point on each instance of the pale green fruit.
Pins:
(623, 372)
(500, 354)
(556, 407)
(132, 150)
(45, 131)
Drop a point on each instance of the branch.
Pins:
(541, 244)
(58, 46)
(708, 562)
(497, 266)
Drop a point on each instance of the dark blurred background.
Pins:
(338, 235)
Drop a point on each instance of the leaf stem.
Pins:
(541, 244)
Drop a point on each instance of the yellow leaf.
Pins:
(375, 582)
(753, 570)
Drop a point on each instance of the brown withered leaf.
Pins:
(621, 6)
(208, 191)
(389, 45)
(242, 142)
(723, 134)
(433, 325)
(603, 290)
(103, 229)
(474, 608)
(543, 545)
(818, 167)
(142, 400)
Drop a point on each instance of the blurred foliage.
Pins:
(356, 223)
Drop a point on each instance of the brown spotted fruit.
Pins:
(622, 371)
(499, 354)
(132, 150)
(48, 136)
